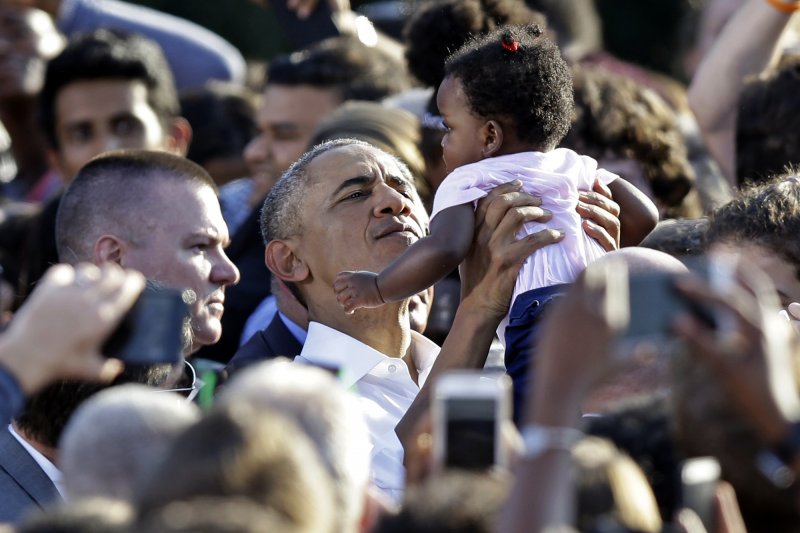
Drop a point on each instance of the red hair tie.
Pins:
(509, 43)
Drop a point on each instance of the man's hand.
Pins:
(355, 290)
(600, 215)
(496, 255)
(60, 329)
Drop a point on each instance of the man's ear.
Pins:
(178, 136)
(109, 249)
(281, 260)
(492, 133)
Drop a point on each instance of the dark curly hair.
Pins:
(616, 115)
(439, 28)
(764, 214)
(531, 86)
(768, 124)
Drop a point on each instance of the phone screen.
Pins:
(471, 428)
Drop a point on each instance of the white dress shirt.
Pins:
(44, 463)
(384, 387)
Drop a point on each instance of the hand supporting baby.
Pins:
(355, 290)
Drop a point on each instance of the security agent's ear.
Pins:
(492, 133)
(281, 260)
(178, 136)
(109, 249)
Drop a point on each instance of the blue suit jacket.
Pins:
(24, 486)
(270, 342)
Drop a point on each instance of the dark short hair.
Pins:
(222, 116)
(106, 54)
(354, 70)
(280, 213)
(531, 87)
(108, 189)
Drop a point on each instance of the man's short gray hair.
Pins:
(330, 416)
(117, 436)
(108, 194)
(281, 212)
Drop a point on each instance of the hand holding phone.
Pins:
(153, 330)
(470, 409)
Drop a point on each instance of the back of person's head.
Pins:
(678, 237)
(47, 412)
(116, 436)
(355, 71)
(641, 428)
(96, 515)
(438, 28)
(109, 193)
(766, 214)
(516, 74)
(768, 124)
(393, 130)
(106, 54)
(611, 487)
(329, 415)
(453, 502)
(705, 423)
(242, 451)
(617, 119)
(222, 116)
(216, 515)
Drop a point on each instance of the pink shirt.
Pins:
(556, 177)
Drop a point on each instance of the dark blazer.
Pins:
(23, 484)
(274, 340)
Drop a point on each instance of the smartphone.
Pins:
(301, 33)
(469, 410)
(153, 330)
(699, 479)
(644, 305)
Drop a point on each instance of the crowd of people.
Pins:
(488, 192)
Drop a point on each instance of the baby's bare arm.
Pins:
(432, 258)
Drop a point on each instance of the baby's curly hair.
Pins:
(530, 86)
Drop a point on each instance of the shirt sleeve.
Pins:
(11, 397)
(459, 187)
(194, 53)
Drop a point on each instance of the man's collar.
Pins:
(328, 347)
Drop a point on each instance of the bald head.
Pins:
(111, 194)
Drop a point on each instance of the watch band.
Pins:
(539, 439)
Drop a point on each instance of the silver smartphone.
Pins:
(469, 411)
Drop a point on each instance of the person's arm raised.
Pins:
(745, 47)
(488, 275)
(59, 330)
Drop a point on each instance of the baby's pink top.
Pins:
(556, 177)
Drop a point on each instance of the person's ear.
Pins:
(178, 136)
(109, 249)
(281, 260)
(492, 133)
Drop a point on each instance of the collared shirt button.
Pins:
(392, 368)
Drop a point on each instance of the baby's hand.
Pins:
(357, 289)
